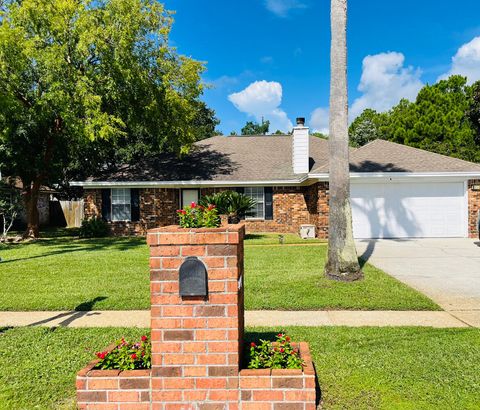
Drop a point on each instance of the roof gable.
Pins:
(386, 156)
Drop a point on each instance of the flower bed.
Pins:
(108, 388)
(292, 389)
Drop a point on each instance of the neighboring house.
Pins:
(397, 191)
(44, 198)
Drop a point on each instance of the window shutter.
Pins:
(268, 192)
(107, 204)
(135, 204)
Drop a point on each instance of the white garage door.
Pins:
(409, 210)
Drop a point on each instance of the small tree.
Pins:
(254, 128)
(10, 207)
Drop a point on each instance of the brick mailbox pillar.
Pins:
(196, 340)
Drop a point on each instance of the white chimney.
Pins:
(300, 149)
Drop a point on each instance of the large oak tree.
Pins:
(84, 81)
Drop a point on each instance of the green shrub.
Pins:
(94, 227)
(231, 203)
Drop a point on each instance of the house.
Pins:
(397, 191)
(44, 201)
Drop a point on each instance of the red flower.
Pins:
(253, 345)
(282, 350)
(101, 355)
(280, 335)
(193, 205)
(211, 207)
(133, 356)
(287, 338)
(144, 338)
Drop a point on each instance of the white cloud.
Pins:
(282, 7)
(466, 62)
(384, 82)
(263, 99)
(266, 60)
(319, 120)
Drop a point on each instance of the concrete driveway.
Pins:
(446, 270)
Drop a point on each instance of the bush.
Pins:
(127, 356)
(94, 227)
(278, 355)
(231, 203)
(198, 216)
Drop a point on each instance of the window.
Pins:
(121, 204)
(258, 194)
(189, 196)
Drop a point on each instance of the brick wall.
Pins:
(295, 206)
(157, 208)
(292, 207)
(473, 208)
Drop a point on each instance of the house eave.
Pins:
(187, 184)
(385, 176)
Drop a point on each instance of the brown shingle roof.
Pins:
(385, 156)
(233, 158)
(269, 158)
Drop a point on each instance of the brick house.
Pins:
(397, 191)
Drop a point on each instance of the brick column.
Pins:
(196, 341)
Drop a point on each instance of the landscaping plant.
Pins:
(234, 204)
(127, 356)
(94, 227)
(278, 355)
(198, 216)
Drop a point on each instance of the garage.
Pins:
(389, 209)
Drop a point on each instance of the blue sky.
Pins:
(270, 58)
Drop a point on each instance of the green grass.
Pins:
(291, 278)
(273, 239)
(357, 368)
(60, 273)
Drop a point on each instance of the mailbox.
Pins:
(193, 277)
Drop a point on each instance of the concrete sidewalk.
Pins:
(140, 318)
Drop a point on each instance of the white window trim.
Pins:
(257, 218)
(111, 205)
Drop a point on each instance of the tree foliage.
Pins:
(82, 81)
(442, 119)
(254, 128)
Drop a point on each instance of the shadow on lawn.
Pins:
(81, 310)
(271, 336)
(69, 245)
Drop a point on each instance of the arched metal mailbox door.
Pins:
(193, 277)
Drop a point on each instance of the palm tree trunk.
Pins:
(342, 262)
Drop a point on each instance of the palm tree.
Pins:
(342, 261)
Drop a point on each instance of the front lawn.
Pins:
(291, 278)
(65, 273)
(357, 368)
